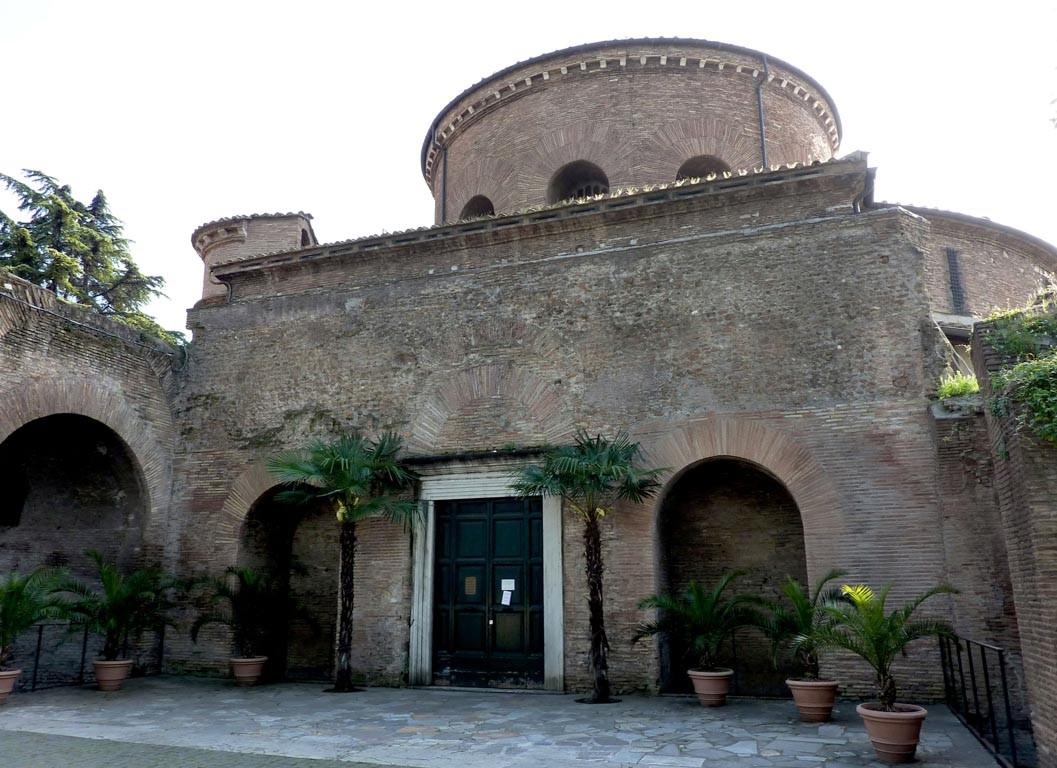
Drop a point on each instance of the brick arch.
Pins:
(247, 489)
(777, 454)
(149, 444)
(677, 141)
(489, 177)
(471, 387)
(593, 142)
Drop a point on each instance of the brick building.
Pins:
(656, 235)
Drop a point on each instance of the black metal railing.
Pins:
(60, 656)
(976, 682)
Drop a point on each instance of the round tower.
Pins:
(616, 114)
(240, 237)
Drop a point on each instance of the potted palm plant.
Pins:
(859, 624)
(242, 600)
(793, 624)
(702, 621)
(120, 609)
(24, 600)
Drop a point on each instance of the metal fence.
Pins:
(58, 654)
(977, 688)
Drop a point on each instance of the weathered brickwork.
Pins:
(1025, 481)
(996, 267)
(86, 431)
(636, 109)
(770, 339)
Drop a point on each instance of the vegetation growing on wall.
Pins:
(957, 384)
(1026, 388)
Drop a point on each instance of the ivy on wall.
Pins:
(1028, 337)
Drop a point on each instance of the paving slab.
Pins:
(438, 728)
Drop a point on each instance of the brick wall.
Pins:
(86, 439)
(638, 118)
(997, 267)
(660, 318)
(1025, 481)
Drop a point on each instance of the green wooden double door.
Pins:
(488, 599)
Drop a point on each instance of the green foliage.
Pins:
(701, 620)
(1029, 337)
(957, 384)
(859, 624)
(591, 475)
(77, 250)
(794, 624)
(358, 477)
(123, 606)
(242, 600)
(25, 600)
(1033, 385)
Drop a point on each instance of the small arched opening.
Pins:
(700, 167)
(575, 180)
(477, 206)
(298, 547)
(721, 515)
(72, 484)
(306, 240)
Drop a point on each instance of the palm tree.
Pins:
(859, 624)
(700, 620)
(794, 624)
(358, 478)
(591, 476)
(25, 600)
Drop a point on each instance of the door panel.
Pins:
(488, 610)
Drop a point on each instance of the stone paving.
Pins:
(457, 729)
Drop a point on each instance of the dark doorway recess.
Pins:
(70, 484)
(298, 547)
(488, 600)
(724, 515)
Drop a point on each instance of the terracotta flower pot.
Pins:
(248, 671)
(894, 735)
(814, 699)
(7, 683)
(109, 675)
(711, 687)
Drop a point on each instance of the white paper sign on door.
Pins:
(506, 598)
(508, 585)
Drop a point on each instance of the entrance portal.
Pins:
(488, 582)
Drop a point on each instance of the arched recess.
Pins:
(577, 179)
(477, 206)
(672, 143)
(297, 546)
(149, 442)
(71, 484)
(765, 501)
(724, 515)
(700, 167)
(780, 455)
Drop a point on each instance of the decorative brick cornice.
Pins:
(497, 90)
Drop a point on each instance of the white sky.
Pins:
(187, 112)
